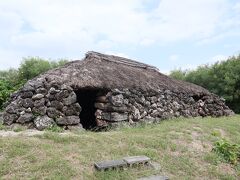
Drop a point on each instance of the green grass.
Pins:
(183, 147)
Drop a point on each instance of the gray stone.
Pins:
(201, 103)
(12, 109)
(114, 116)
(143, 114)
(39, 103)
(39, 83)
(104, 165)
(136, 114)
(50, 97)
(176, 106)
(117, 100)
(77, 107)
(110, 108)
(56, 104)
(102, 99)
(101, 123)
(147, 103)
(119, 116)
(154, 99)
(41, 91)
(100, 105)
(27, 117)
(154, 106)
(68, 120)
(52, 90)
(72, 98)
(43, 122)
(154, 177)
(28, 86)
(65, 87)
(54, 113)
(136, 159)
(77, 127)
(28, 110)
(27, 103)
(71, 110)
(8, 119)
(228, 112)
(39, 110)
(37, 96)
(154, 113)
(55, 84)
(27, 94)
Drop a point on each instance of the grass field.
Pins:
(181, 146)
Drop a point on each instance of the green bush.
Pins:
(33, 66)
(228, 151)
(221, 78)
(5, 91)
(12, 79)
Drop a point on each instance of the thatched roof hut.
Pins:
(103, 90)
(107, 71)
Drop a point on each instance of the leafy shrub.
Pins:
(216, 133)
(228, 151)
(221, 78)
(12, 79)
(33, 66)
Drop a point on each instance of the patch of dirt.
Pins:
(226, 168)
(21, 133)
(175, 153)
(30, 133)
(195, 135)
(73, 158)
(196, 145)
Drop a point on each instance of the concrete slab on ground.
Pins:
(110, 164)
(136, 159)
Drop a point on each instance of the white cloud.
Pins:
(58, 28)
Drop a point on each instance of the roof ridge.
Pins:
(120, 60)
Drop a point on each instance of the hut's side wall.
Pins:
(41, 103)
(136, 106)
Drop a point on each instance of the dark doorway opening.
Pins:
(86, 98)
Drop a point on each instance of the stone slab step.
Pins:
(104, 165)
(156, 177)
(136, 160)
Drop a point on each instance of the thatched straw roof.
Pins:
(107, 71)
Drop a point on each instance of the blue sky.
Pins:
(168, 34)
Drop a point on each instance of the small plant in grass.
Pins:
(216, 133)
(55, 128)
(228, 151)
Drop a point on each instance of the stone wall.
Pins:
(40, 104)
(134, 106)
